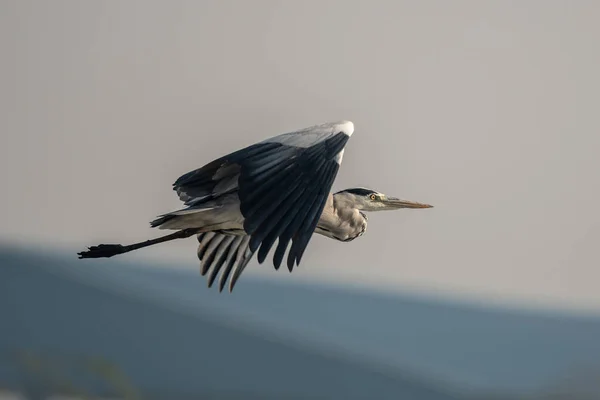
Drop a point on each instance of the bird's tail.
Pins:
(182, 219)
(161, 220)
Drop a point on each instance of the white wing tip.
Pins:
(346, 127)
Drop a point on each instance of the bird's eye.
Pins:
(372, 196)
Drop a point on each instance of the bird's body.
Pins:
(337, 220)
(275, 190)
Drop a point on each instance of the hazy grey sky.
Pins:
(487, 109)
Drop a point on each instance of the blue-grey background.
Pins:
(160, 333)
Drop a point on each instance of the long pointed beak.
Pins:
(394, 203)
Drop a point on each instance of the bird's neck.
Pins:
(341, 221)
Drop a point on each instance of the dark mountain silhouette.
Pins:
(59, 334)
(167, 331)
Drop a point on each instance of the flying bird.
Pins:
(275, 190)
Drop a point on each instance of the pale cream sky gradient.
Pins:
(487, 109)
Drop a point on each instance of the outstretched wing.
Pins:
(225, 253)
(282, 184)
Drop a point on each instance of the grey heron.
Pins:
(274, 190)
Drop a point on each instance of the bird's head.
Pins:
(370, 200)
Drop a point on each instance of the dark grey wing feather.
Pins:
(301, 184)
(221, 251)
(302, 237)
(243, 258)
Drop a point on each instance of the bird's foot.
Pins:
(102, 250)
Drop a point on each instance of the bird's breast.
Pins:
(345, 231)
(359, 231)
